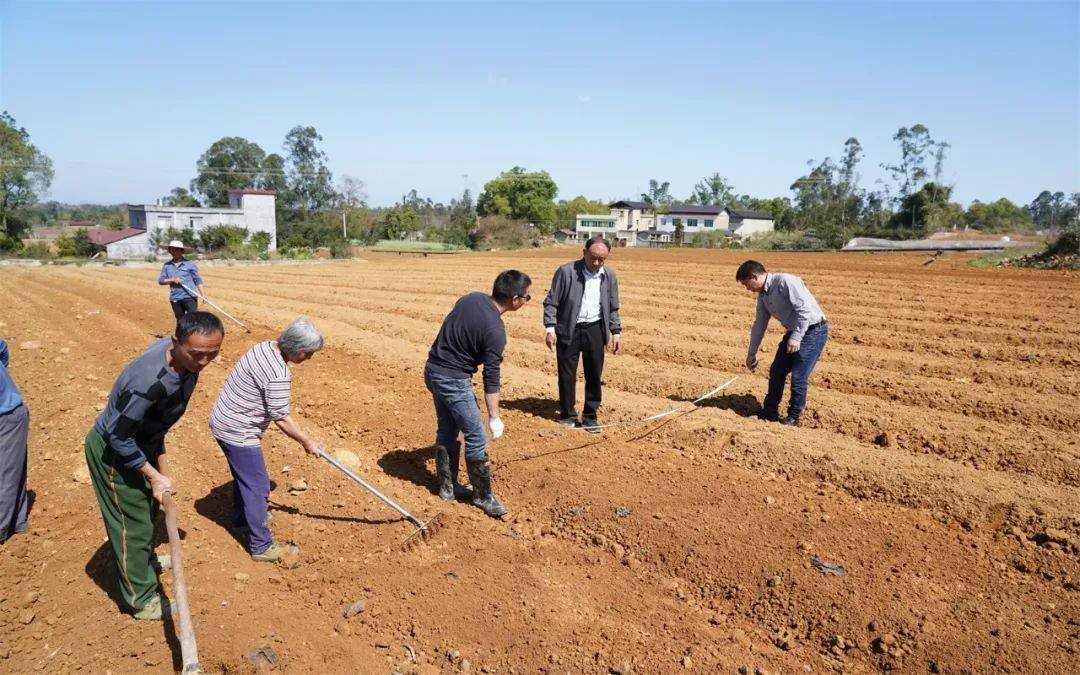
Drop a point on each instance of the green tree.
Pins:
(310, 183)
(658, 196)
(567, 211)
(518, 194)
(231, 163)
(399, 222)
(77, 245)
(777, 207)
(1050, 210)
(25, 172)
(462, 220)
(714, 190)
(273, 174)
(999, 216)
(916, 149)
(115, 218)
(181, 197)
(928, 209)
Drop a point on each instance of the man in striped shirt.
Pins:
(255, 394)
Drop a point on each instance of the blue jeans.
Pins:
(457, 411)
(799, 365)
(251, 492)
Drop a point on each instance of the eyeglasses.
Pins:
(527, 297)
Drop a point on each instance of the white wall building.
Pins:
(620, 226)
(730, 222)
(588, 226)
(252, 210)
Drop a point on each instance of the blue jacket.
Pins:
(10, 398)
(185, 271)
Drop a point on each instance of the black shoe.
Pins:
(767, 416)
(568, 421)
(592, 426)
(483, 497)
(790, 421)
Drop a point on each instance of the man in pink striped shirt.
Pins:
(255, 394)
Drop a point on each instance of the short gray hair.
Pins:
(300, 336)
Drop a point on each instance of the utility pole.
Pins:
(343, 232)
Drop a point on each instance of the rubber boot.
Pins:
(483, 497)
(460, 491)
(442, 470)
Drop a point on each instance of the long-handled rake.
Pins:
(424, 530)
(211, 303)
(188, 649)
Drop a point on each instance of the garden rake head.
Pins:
(424, 532)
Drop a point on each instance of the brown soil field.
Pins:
(938, 463)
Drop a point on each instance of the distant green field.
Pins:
(417, 245)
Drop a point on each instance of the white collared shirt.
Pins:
(590, 301)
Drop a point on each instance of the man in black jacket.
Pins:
(581, 315)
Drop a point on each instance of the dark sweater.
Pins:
(147, 399)
(471, 334)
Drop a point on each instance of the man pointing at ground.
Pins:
(785, 298)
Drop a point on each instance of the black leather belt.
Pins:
(817, 325)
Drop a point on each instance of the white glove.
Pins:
(497, 427)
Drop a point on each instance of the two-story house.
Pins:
(693, 218)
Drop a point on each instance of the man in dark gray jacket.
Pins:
(581, 315)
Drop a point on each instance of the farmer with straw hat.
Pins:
(176, 274)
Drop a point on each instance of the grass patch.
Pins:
(997, 257)
(417, 245)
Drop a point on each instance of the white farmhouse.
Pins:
(252, 210)
(730, 222)
(621, 225)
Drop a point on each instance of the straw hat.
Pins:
(176, 243)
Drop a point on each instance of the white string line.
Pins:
(693, 405)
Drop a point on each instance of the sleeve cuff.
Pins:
(550, 329)
(135, 462)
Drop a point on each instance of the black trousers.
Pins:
(587, 342)
(182, 307)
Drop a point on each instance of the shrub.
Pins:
(497, 232)
(260, 241)
(223, 237)
(38, 250)
(340, 249)
(77, 245)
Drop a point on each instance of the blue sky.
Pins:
(124, 97)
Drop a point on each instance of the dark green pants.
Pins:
(129, 509)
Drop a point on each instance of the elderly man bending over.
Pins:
(255, 394)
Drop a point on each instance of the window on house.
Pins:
(691, 222)
(195, 222)
(676, 221)
(708, 223)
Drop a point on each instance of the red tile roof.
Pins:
(103, 236)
